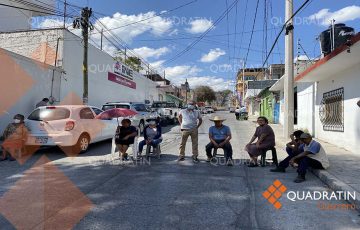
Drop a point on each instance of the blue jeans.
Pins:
(153, 143)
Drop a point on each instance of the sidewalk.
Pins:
(344, 171)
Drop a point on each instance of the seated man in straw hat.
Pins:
(220, 136)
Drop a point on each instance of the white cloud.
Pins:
(182, 71)
(348, 13)
(213, 55)
(146, 52)
(199, 26)
(158, 65)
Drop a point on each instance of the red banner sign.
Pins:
(121, 80)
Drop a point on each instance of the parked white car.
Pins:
(138, 120)
(168, 111)
(209, 109)
(67, 126)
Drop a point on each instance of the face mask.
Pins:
(17, 121)
(191, 107)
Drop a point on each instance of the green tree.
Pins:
(133, 62)
(205, 94)
(222, 97)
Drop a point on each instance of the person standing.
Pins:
(220, 136)
(43, 102)
(237, 113)
(190, 120)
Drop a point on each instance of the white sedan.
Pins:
(68, 126)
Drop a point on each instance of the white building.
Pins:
(14, 17)
(327, 94)
(24, 82)
(109, 80)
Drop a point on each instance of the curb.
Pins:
(331, 181)
(336, 185)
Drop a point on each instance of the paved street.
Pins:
(166, 194)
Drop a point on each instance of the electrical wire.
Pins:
(190, 46)
(282, 30)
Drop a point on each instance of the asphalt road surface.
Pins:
(166, 194)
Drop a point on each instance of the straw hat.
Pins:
(217, 118)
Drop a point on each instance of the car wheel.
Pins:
(141, 127)
(83, 143)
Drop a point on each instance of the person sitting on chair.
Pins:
(265, 140)
(15, 136)
(220, 136)
(313, 156)
(125, 136)
(294, 147)
(152, 136)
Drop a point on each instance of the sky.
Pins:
(168, 28)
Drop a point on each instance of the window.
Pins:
(86, 113)
(49, 114)
(331, 110)
(96, 110)
(140, 107)
(123, 106)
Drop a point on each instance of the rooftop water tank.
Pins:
(342, 33)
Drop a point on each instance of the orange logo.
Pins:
(274, 192)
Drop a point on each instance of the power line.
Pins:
(189, 47)
(252, 32)
(31, 10)
(154, 16)
(282, 30)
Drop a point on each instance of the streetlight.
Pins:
(186, 90)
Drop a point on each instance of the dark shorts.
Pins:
(125, 142)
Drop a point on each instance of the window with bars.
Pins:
(332, 110)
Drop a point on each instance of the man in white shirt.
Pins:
(190, 121)
(313, 156)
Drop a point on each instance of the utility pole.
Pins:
(65, 3)
(85, 25)
(101, 39)
(289, 71)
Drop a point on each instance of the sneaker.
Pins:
(299, 179)
(195, 160)
(277, 169)
(181, 158)
(208, 159)
(230, 162)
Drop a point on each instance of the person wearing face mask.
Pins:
(15, 136)
(190, 120)
(152, 136)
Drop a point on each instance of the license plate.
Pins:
(41, 140)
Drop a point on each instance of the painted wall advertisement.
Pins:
(122, 75)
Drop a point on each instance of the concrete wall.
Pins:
(24, 82)
(350, 80)
(41, 45)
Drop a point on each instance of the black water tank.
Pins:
(342, 34)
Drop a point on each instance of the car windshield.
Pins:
(140, 107)
(107, 107)
(159, 105)
(49, 114)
